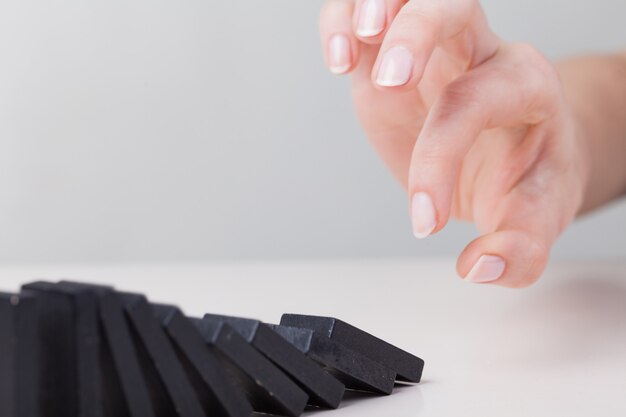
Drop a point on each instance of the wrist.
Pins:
(595, 93)
(584, 162)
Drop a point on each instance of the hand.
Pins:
(475, 128)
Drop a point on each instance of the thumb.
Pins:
(510, 258)
(529, 219)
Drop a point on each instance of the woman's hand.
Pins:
(475, 128)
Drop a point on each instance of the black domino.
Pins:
(19, 355)
(220, 397)
(126, 392)
(70, 369)
(323, 389)
(407, 366)
(80, 350)
(269, 390)
(171, 391)
(356, 371)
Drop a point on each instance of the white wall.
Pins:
(195, 129)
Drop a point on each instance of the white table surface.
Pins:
(556, 349)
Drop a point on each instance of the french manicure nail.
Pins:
(423, 215)
(339, 56)
(395, 68)
(372, 18)
(488, 268)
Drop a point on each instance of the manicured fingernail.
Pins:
(395, 68)
(339, 56)
(372, 17)
(488, 268)
(423, 215)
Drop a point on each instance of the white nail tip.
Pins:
(340, 57)
(488, 268)
(390, 83)
(368, 33)
(340, 69)
(372, 18)
(423, 234)
(423, 215)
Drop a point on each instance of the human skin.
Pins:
(479, 129)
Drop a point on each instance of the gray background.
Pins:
(197, 129)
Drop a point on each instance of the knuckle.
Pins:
(453, 15)
(466, 7)
(526, 50)
(460, 94)
(540, 74)
(434, 156)
(534, 60)
(426, 13)
(326, 10)
(334, 8)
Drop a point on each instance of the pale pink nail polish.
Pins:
(339, 55)
(372, 17)
(395, 68)
(423, 215)
(488, 268)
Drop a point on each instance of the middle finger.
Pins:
(372, 18)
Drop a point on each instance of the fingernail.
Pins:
(423, 215)
(395, 68)
(339, 57)
(372, 18)
(488, 268)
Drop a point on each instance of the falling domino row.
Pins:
(77, 350)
